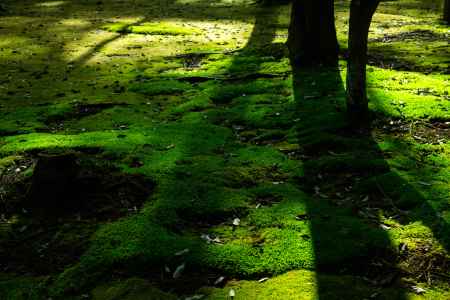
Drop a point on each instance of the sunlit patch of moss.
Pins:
(408, 95)
(120, 27)
(401, 104)
(305, 285)
(279, 251)
(413, 234)
(412, 82)
(415, 8)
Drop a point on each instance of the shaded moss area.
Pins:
(249, 166)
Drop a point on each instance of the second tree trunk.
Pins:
(361, 12)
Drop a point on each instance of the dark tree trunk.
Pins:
(447, 11)
(312, 34)
(361, 12)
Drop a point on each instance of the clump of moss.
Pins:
(160, 87)
(130, 289)
(132, 242)
(22, 288)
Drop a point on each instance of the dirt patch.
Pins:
(417, 35)
(383, 60)
(192, 60)
(432, 132)
(424, 263)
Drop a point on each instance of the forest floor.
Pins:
(207, 166)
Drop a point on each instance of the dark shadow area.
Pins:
(346, 168)
(69, 195)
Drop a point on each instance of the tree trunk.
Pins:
(447, 11)
(312, 34)
(361, 12)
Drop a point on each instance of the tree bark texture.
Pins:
(312, 34)
(361, 12)
(447, 11)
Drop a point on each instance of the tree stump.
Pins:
(53, 184)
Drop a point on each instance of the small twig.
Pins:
(388, 198)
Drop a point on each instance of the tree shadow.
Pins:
(347, 168)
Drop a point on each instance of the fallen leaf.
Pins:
(385, 227)
(424, 183)
(418, 290)
(178, 271)
(219, 280)
(195, 297)
(232, 293)
(302, 217)
(184, 251)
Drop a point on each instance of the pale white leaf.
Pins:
(178, 271)
(232, 293)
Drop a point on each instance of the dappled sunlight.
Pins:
(18, 48)
(258, 185)
(415, 8)
(88, 46)
(73, 24)
(220, 3)
(14, 42)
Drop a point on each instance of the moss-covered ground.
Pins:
(258, 187)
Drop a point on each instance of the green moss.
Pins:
(130, 289)
(130, 243)
(160, 87)
(160, 28)
(306, 285)
(224, 132)
(7, 161)
(117, 27)
(282, 250)
(21, 288)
